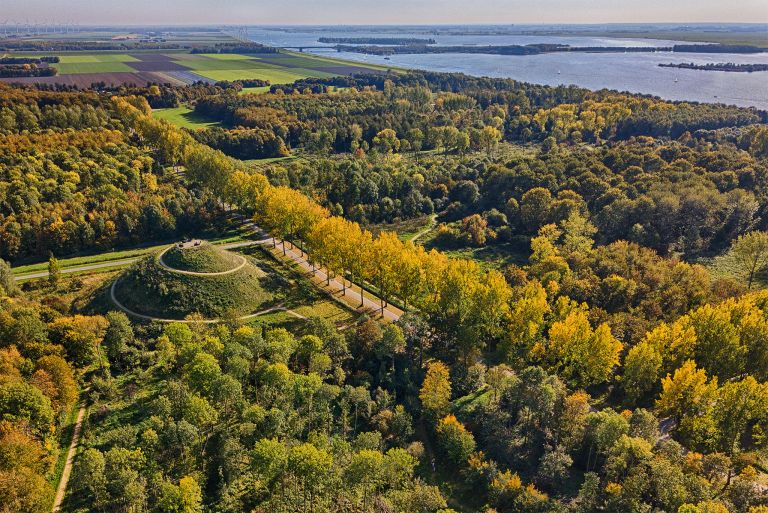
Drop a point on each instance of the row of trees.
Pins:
(525, 318)
(470, 304)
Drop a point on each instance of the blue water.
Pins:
(633, 72)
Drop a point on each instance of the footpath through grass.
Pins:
(65, 438)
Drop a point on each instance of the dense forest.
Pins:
(71, 179)
(608, 371)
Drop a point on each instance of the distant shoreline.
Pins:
(542, 48)
(722, 66)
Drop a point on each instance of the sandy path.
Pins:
(61, 490)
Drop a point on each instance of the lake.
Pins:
(633, 72)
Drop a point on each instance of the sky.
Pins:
(375, 12)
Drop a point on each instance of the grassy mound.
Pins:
(205, 258)
(150, 289)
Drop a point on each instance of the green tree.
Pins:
(54, 271)
(202, 373)
(386, 141)
(310, 467)
(7, 280)
(365, 470)
(88, 479)
(455, 441)
(22, 402)
(750, 253)
(117, 337)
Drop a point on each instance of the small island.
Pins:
(722, 66)
(399, 41)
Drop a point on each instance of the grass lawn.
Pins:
(66, 431)
(184, 117)
(269, 160)
(255, 90)
(724, 267)
(109, 256)
(208, 64)
(406, 229)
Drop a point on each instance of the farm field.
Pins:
(83, 69)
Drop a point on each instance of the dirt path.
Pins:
(130, 312)
(167, 267)
(61, 490)
(426, 230)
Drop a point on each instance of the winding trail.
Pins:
(62, 489)
(167, 267)
(426, 230)
(138, 315)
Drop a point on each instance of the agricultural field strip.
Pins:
(275, 76)
(281, 68)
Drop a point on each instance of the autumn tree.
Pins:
(687, 392)
(435, 393)
(579, 353)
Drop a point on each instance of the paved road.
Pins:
(61, 490)
(334, 287)
(115, 263)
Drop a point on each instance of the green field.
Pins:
(274, 75)
(226, 56)
(179, 67)
(333, 61)
(76, 68)
(203, 63)
(73, 64)
(100, 57)
(255, 90)
(184, 117)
